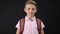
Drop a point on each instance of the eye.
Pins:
(28, 8)
(32, 8)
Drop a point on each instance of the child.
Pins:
(30, 26)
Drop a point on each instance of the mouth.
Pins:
(31, 13)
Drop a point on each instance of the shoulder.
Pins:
(22, 18)
(38, 19)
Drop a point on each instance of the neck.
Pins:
(30, 16)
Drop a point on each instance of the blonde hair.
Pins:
(31, 2)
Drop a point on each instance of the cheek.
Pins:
(35, 11)
(25, 10)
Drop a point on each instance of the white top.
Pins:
(30, 26)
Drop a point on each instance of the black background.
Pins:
(12, 10)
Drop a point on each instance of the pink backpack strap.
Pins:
(22, 22)
(38, 21)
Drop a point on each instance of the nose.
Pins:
(31, 10)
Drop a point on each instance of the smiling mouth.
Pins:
(31, 13)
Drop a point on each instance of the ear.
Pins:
(36, 10)
(24, 10)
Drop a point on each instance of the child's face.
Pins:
(30, 9)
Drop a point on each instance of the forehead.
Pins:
(30, 6)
